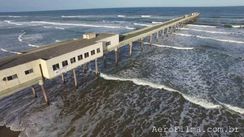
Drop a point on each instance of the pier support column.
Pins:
(130, 48)
(116, 56)
(96, 67)
(85, 68)
(62, 76)
(34, 92)
(104, 61)
(41, 83)
(142, 43)
(75, 79)
(150, 40)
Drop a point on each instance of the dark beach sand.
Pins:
(6, 132)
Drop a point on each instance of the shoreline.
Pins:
(6, 132)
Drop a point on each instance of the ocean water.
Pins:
(193, 78)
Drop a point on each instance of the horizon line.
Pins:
(23, 11)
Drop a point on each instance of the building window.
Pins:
(65, 63)
(72, 60)
(55, 67)
(9, 78)
(27, 72)
(98, 50)
(86, 54)
(92, 52)
(108, 43)
(80, 57)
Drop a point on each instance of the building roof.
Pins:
(49, 51)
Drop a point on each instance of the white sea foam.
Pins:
(233, 108)
(57, 41)
(60, 28)
(129, 28)
(201, 26)
(146, 16)
(73, 16)
(237, 26)
(31, 45)
(173, 47)
(121, 16)
(203, 37)
(13, 16)
(141, 24)
(76, 24)
(20, 37)
(195, 100)
(12, 23)
(156, 22)
(8, 51)
(207, 31)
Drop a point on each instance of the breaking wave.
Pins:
(141, 24)
(20, 37)
(233, 108)
(173, 47)
(156, 22)
(202, 37)
(195, 100)
(31, 45)
(78, 25)
(49, 27)
(146, 16)
(121, 16)
(207, 31)
(12, 23)
(129, 28)
(8, 51)
(73, 16)
(13, 16)
(201, 26)
(237, 26)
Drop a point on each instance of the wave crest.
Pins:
(173, 47)
(194, 100)
(203, 37)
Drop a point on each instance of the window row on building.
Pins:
(73, 59)
(15, 76)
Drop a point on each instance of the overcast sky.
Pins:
(36, 5)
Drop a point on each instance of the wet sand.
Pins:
(6, 132)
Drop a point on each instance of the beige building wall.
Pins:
(47, 65)
(21, 76)
(114, 42)
(24, 80)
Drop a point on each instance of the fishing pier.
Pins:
(35, 66)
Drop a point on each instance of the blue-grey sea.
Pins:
(194, 78)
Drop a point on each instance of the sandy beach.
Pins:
(6, 132)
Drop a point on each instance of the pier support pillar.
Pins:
(104, 61)
(62, 76)
(41, 83)
(130, 48)
(150, 40)
(96, 67)
(85, 68)
(142, 43)
(34, 92)
(75, 79)
(116, 56)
